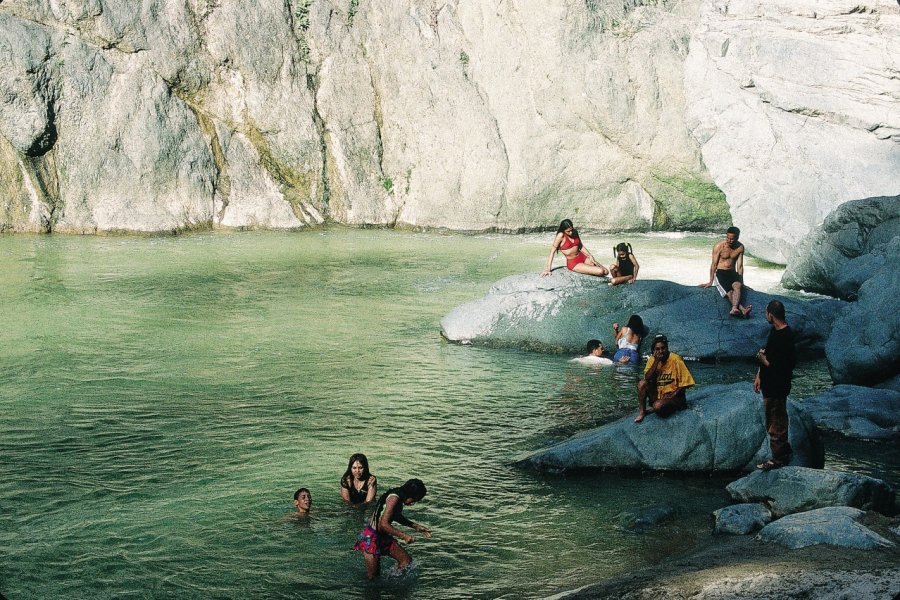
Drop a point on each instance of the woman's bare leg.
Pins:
(596, 270)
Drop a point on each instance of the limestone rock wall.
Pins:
(488, 114)
(796, 106)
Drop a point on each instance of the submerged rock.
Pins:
(834, 525)
(721, 430)
(564, 310)
(857, 412)
(795, 489)
(741, 519)
(646, 518)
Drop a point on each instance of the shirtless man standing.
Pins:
(727, 271)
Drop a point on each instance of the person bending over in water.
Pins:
(665, 379)
(628, 340)
(578, 258)
(358, 486)
(378, 536)
(594, 355)
(727, 272)
(303, 502)
(626, 268)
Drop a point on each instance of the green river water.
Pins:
(162, 397)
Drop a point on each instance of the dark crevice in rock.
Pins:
(44, 177)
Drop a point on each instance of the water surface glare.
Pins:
(162, 398)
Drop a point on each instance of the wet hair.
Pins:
(593, 345)
(413, 490)
(734, 230)
(622, 247)
(566, 224)
(300, 491)
(776, 309)
(636, 324)
(361, 459)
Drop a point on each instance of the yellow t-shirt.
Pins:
(672, 374)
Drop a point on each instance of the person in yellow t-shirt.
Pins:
(666, 377)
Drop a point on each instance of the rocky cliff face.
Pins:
(440, 113)
(796, 106)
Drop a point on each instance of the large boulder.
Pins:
(564, 310)
(723, 429)
(836, 526)
(796, 489)
(854, 256)
(857, 412)
(794, 105)
(864, 346)
(852, 244)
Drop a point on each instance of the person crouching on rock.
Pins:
(666, 378)
(379, 535)
(625, 269)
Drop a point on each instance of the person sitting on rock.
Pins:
(666, 378)
(625, 269)
(578, 258)
(727, 272)
(594, 355)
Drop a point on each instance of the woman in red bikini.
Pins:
(578, 258)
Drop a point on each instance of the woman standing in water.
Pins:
(628, 340)
(358, 486)
(378, 536)
(578, 258)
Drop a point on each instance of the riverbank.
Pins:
(740, 567)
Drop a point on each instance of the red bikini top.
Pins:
(570, 243)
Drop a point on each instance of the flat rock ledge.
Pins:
(857, 412)
(559, 313)
(796, 489)
(833, 525)
(722, 430)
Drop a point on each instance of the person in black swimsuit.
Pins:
(626, 267)
(358, 486)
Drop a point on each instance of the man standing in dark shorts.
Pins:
(776, 366)
(727, 272)
(665, 379)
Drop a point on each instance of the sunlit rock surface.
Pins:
(795, 106)
(564, 310)
(835, 526)
(796, 489)
(722, 429)
(465, 115)
(857, 412)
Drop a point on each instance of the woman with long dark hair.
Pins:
(358, 486)
(628, 340)
(578, 258)
(379, 536)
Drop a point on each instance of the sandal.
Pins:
(769, 465)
